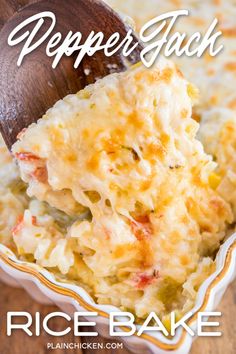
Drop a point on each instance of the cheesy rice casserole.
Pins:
(121, 197)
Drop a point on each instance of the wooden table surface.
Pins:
(12, 299)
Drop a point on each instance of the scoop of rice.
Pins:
(125, 149)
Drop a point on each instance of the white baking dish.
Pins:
(44, 288)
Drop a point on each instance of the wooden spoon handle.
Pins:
(26, 92)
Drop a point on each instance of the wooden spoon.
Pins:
(26, 92)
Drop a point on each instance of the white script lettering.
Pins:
(70, 44)
(176, 42)
(57, 46)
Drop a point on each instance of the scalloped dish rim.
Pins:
(225, 252)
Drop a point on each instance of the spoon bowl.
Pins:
(27, 91)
